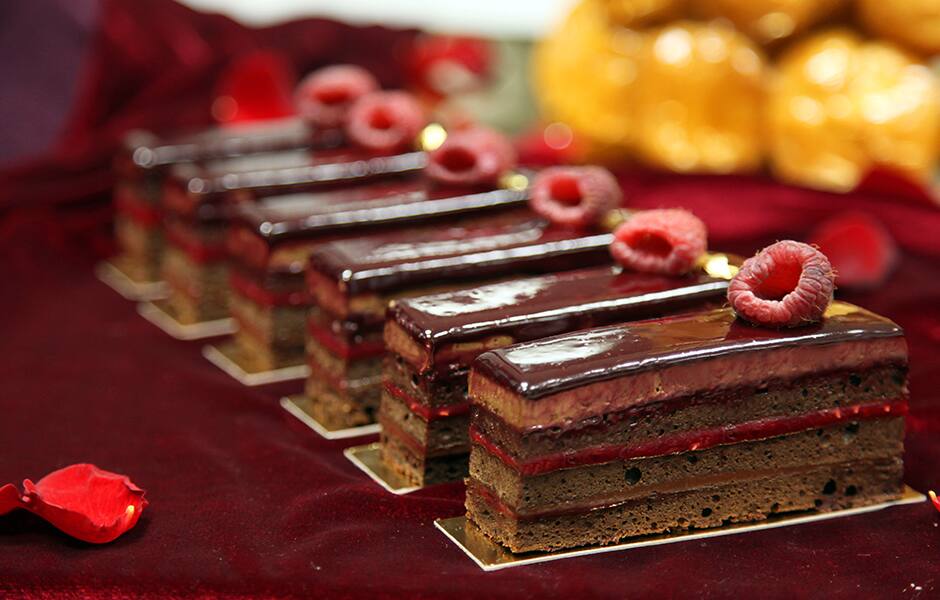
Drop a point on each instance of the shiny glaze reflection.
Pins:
(551, 304)
(505, 244)
(539, 368)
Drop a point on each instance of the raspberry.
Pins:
(475, 156)
(785, 285)
(860, 249)
(385, 122)
(575, 196)
(667, 241)
(324, 97)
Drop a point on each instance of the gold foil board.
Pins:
(158, 314)
(490, 556)
(295, 405)
(224, 355)
(369, 460)
(129, 289)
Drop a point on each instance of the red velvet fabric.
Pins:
(246, 500)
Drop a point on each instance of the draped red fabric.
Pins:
(246, 500)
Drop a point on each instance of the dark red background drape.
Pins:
(246, 500)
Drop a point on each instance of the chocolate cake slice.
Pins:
(432, 340)
(270, 241)
(145, 159)
(352, 283)
(686, 422)
(198, 200)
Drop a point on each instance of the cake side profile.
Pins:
(145, 161)
(198, 201)
(690, 421)
(432, 340)
(270, 242)
(353, 281)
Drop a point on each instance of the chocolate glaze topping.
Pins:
(537, 369)
(380, 263)
(148, 151)
(306, 216)
(539, 307)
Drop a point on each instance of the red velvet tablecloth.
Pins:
(246, 500)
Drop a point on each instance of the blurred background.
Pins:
(836, 96)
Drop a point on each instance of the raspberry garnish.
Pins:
(474, 156)
(861, 250)
(667, 241)
(575, 196)
(324, 97)
(385, 121)
(785, 285)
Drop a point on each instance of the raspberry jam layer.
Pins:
(261, 295)
(573, 377)
(453, 328)
(427, 413)
(343, 348)
(692, 440)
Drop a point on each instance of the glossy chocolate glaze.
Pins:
(539, 307)
(148, 151)
(308, 216)
(382, 263)
(537, 369)
(290, 171)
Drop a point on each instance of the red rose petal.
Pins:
(861, 250)
(256, 86)
(85, 502)
(934, 499)
(9, 498)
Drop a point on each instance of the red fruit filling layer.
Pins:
(693, 440)
(427, 413)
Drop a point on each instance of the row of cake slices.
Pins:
(453, 301)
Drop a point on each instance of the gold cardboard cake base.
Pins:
(296, 405)
(137, 291)
(159, 313)
(225, 356)
(490, 556)
(369, 461)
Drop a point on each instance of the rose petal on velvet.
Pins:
(10, 498)
(255, 87)
(861, 250)
(934, 499)
(86, 502)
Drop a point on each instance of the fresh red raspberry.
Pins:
(785, 285)
(474, 156)
(324, 97)
(575, 196)
(667, 241)
(861, 250)
(385, 122)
